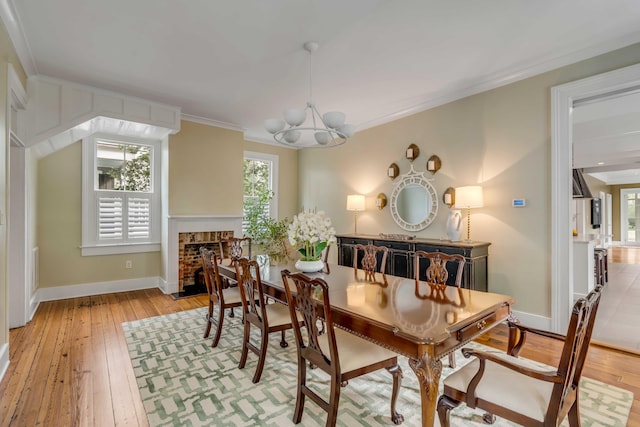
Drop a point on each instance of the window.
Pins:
(259, 185)
(121, 195)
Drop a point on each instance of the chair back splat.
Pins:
(439, 267)
(371, 255)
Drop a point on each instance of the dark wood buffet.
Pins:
(400, 256)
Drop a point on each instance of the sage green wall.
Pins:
(59, 219)
(205, 178)
(499, 139)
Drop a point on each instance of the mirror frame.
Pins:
(414, 178)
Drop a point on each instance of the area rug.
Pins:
(185, 382)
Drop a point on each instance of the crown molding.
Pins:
(212, 122)
(14, 29)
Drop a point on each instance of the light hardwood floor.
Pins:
(619, 313)
(70, 366)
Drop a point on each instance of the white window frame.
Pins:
(273, 178)
(91, 244)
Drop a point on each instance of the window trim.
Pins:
(91, 246)
(273, 177)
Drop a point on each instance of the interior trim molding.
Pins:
(562, 99)
(4, 359)
(98, 288)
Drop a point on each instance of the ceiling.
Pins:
(235, 63)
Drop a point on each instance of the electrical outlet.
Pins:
(128, 264)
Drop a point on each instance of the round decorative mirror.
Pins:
(414, 202)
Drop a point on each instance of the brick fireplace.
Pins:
(189, 261)
(196, 231)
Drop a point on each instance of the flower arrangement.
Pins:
(311, 233)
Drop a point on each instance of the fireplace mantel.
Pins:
(191, 223)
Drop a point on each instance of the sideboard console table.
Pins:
(401, 251)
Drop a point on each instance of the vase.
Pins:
(309, 266)
(454, 221)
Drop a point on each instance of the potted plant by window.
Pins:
(268, 234)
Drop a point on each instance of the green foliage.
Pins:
(135, 172)
(269, 234)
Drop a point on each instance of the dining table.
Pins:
(422, 321)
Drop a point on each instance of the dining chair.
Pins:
(256, 311)
(220, 296)
(504, 385)
(340, 354)
(369, 261)
(232, 249)
(437, 271)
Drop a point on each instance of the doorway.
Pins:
(562, 103)
(630, 216)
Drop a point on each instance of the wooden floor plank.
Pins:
(80, 341)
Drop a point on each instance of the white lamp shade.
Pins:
(469, 196)
(291, 136)
(355, 202)
(294, 116)
(274, 125)
(333, 119)
(347, 130)
(322, 138)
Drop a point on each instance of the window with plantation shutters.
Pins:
(121, 201)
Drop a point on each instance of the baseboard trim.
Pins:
(4, 359)
(533, 320)
(97, 288)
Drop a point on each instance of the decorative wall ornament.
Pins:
(393, 171)
(449, 197)
(434, 164)
(414, 202)
(412, 152)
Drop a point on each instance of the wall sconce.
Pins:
(393, 171)
(381, 201)
(434, 164)
(466, 198)
(355, 203)
(449, 197)
(412, 152)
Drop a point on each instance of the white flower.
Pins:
(310, 232)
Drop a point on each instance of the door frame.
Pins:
(562, 99)
(624, 217)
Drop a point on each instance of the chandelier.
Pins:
(329, 129)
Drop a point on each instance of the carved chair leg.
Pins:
(334, 400)
(396, 371)
(300, 396)
(574, 414)
(445, 405)
(216, 338)
(283, 341)
(264, 342)
(452, 360)
(232, 313)
(209, 319)
(245, 345)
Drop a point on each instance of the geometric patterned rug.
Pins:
(185, 382)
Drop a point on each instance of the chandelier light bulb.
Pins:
(334, 119)
(348, 130)
(322, 138)
(274, 125)
(291, 136)
(295, 116)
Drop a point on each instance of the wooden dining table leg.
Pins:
(428, 370)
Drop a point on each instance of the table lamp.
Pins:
(466, 198)
(355, 203)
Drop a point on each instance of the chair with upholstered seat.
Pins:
(437, 271)
(370, 257)
(340, 354)
(267, 318)
(219, 296)
(516, 389)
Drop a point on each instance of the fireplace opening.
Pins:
(190, 273)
